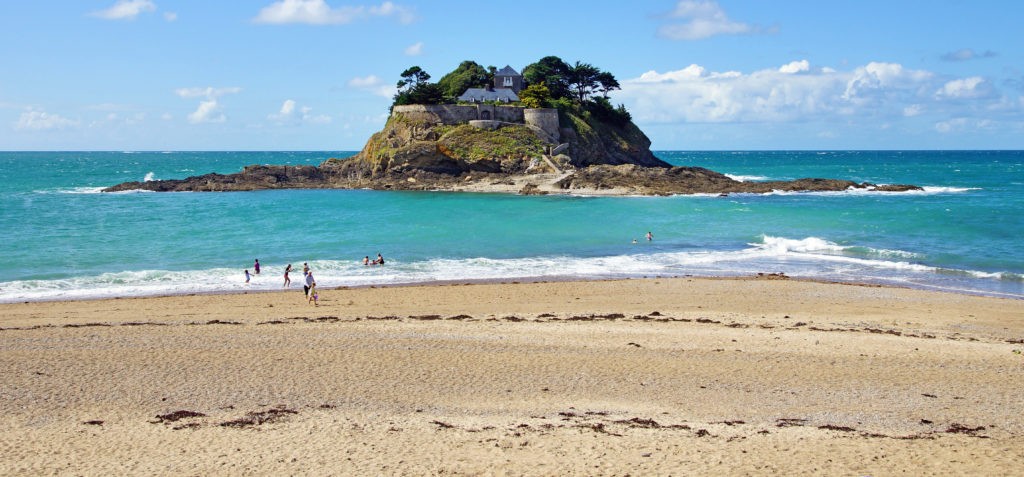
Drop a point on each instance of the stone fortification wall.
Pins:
(459, 113)
(437, 113)
(545, 119)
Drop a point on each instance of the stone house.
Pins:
(508, 78)
(507, 82)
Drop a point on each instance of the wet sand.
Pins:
(641, 377)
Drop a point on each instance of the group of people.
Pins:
(649, 236)
(309, 287)
(377, 261)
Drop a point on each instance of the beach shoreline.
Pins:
(647, 376)
(520, 280)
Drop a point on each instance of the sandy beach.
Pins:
(673, 376)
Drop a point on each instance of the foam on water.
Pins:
(746, 178)
(810, 257)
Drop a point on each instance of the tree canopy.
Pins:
(550, 82)
(578, 82)
(415, 88)
(469, 74)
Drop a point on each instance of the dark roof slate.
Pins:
(483, 94)
(507, 71)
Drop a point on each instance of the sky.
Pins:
(695, 74)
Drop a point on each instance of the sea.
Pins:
(62, 238)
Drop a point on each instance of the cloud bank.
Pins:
(318, 12)
(798, 92)
(35, 120)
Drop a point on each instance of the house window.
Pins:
(508, 81)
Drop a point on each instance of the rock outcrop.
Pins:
(419, 150)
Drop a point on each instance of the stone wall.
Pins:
(545, 119)
(459, 113)
(437, 113)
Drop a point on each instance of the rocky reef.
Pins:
(422, 148)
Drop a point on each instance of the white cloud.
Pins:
(877, 79)
(33, 120)
(967, 54)
(287, 108)
(207, 92)
(287, 113)
(309, 117)
(374, 85)
(209, 110)
(702, 19)
(414, 49)
(912, 110)
(126, 10)
(170, 16)
(876, 92)
(795, 67)
(318, 12)
(973, 87)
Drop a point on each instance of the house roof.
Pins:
(507, 71)
(478, 95)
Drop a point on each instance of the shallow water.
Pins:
(64, 239)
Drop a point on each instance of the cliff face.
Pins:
(407, 143)
(421, 140)
(594, 142)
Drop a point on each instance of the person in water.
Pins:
(256, 266)
(649, 236)
(379, 260)
(287, 281)
(247, 277)
(366, 260)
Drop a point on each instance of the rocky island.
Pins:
(549, 130)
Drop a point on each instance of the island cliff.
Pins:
(558, 134)
(438, 148)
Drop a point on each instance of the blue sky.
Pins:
(696, 75)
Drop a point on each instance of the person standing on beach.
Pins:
(247, 277)
(311, 289)
(287, 281)
(256, 266)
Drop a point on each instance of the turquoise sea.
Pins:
(63, 239)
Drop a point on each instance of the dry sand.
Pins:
(641, 377)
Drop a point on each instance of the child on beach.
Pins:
(247, 277)
(287, 281)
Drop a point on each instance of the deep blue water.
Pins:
(64, 239)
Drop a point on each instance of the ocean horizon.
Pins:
(67, 240)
